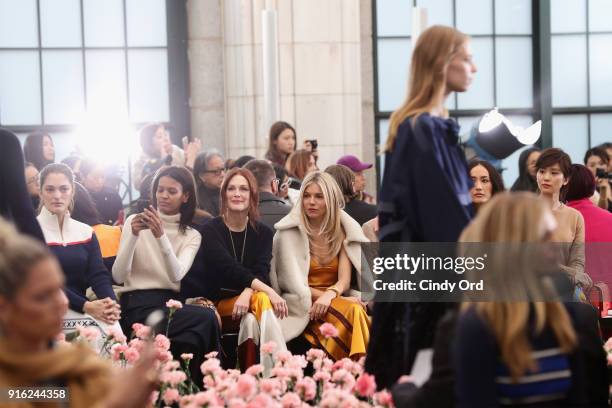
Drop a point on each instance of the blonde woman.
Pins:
(315, 247)
(425, 192)
(512, 352)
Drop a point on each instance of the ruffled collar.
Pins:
(450, 127)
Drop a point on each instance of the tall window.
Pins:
(502, 45)
(64, 60)
(581, 54)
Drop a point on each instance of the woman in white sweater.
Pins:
(157, 249)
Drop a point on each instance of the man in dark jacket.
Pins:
(271, 207)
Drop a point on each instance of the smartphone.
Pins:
(186, 140)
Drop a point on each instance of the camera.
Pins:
(313, 143)
(602, 174)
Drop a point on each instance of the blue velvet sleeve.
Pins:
(98, 277)
(75, 300)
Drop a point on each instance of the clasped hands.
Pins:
(106, 310)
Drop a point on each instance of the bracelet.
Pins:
(334, 289)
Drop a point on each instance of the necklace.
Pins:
(246, 229)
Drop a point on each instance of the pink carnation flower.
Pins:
(137, 326)
(306, 388)
(283, 356)
(212, 354)
(89, 333)
(384, 398)
(171, 366)
(365, 385)
(291, 400)
(173, 378)
(315, 354)
(261, 400)
(255, 370)
(187, 356)
(236, 403)
(268, 348)
(131, 355)
(170, 396)
(174, 304)
(116, 350)
(164, 356)
(208, 399)
(328, 330)
(210, 366)
(246, 386)
(609, 357)
(608, 344)
(137, 344)
(162, 342)
(270, 386)
(323, 376)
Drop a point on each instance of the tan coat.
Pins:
(291, 263)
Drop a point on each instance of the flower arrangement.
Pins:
(608, 349)
(334, 384)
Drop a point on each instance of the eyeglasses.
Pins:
(216, 172)
(33, 179)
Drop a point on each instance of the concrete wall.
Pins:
(325, 70)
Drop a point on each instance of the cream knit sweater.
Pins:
(146, 262)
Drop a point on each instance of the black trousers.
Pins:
(193, 329)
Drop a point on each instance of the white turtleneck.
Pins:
(146, 262)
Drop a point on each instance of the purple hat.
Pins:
(353, 163)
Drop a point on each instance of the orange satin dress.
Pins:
(347, 316)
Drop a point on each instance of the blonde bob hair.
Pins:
(331, 228)
(432, 54)
(514, 219)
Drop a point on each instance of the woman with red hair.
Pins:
(233, 266)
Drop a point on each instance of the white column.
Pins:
(271, 85)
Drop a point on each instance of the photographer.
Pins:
(597, 161)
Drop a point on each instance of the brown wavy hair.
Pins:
(297, 163)
(253, 193)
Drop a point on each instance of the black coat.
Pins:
(360, 211)
(15, 202)
(108, 203)
(217, 266)
(272, 209)
(208, 199)
(424, 198)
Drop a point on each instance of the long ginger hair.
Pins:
(434, 50)
(515, 219)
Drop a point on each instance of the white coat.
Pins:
(291, 263)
